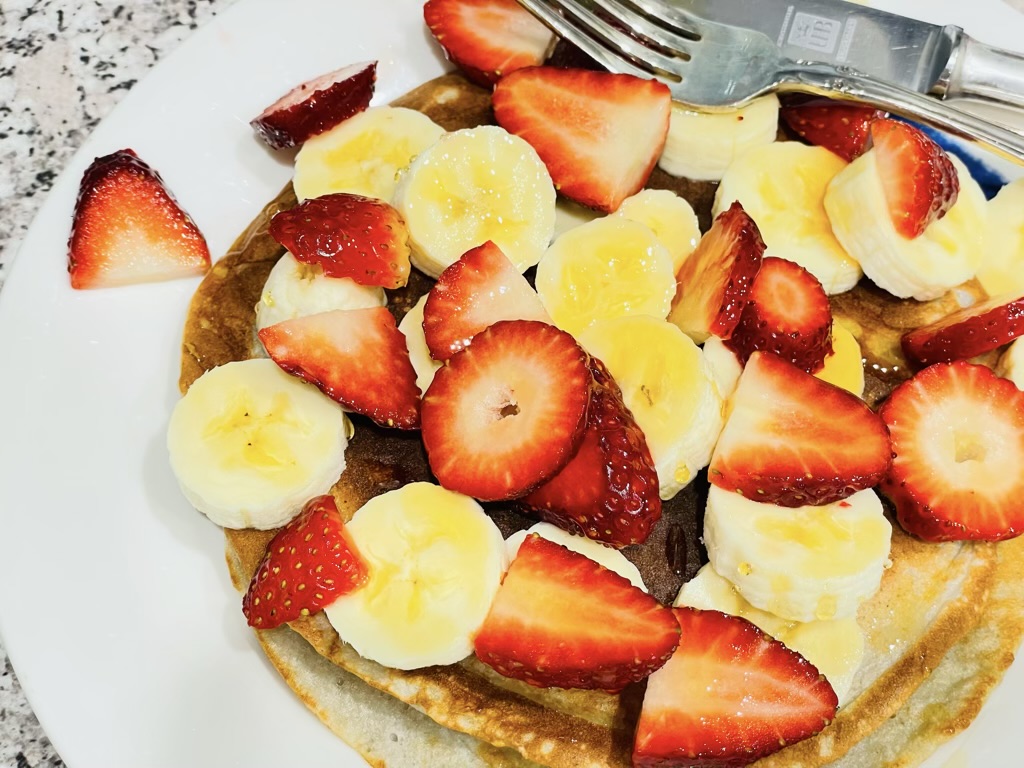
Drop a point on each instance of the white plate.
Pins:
(115, 605)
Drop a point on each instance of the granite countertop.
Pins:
(64, 64)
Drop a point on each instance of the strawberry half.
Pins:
(355, 356)
(476, 291)
(348, 236)
(317, 105)
(308, 564)
(599, 134)
(729, 695)
(487, 38)
(841, 127)
(714, 283)
(788, 314)
(507, 412)
(793, 440)
(609, 490)
(958, 444)
(967, 333)
(919, 180)
(128, 228)
(561, 620)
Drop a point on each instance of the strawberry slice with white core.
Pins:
(476, 291)
(919, 180)
(128, 228)
(729, 695)
(958, 440)
(840, 127)
(487, 39)
(355, 356)
(507, 412)
(794, 440)
(317, 105)
(714, 283)
(788, 314)
(560, 619)
(968, 332)
(599, 134)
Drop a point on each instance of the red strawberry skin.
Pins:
(919, 179)
(967, 333)
(128, 228)
(958, 444)
(561, 620)
(609, 490)
(476, 291)
(355, 356)
(507, 412)
(317, 105)
(729, 695)
(487, 39)
(599, 134)
(348, 236)
(788, 313)
(840, 127)
(794, 440)
(308, 564)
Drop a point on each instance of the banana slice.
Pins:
(294, 289)
(1011, 363)
(945, 255)
(782, 186)
(668, 386)
(475, 185)
(702, 145)
(610, 558)
(669, 216)
(250, 444)
(1002, 268)
(606, 268)
(419, 353)
(363, 154)
(435, 562)
(569, 214)
(835, 647)
(845, 366)
(725, 366)
(801, 563)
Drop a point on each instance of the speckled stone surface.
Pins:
(64, 64)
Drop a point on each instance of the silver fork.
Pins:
(711, 65)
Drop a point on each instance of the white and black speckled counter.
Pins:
(64, 64)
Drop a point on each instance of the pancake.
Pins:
(939, 633)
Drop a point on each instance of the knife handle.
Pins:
(979, 71)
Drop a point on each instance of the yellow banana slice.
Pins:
(845, 366)
(419, 353)
(569, 214)
(1002, 266)
(251, 444)
(669, 216)
(725, 366)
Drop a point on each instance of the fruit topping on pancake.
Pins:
(972, 331)
(842, 128)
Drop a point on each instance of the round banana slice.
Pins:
(606, 268)
(668, 386)
(251, 444)
(724, 364)
(669, 216)
(1002, 268)
(801, 563)
(569, 214)
(419, 353)
(435, 562)
(363, 154)
(475, 185)
(702, 145)
(782, 185)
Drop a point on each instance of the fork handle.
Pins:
(979, 71)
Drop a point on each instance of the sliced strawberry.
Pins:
(476, 291)
(788, 314)
(317, 105)
(507, 412)
(729, 695)
(840, 127)
(967, 333)
(355, 356)
(308, 564)
(599, 134)
(793, 439)
(958, 441)
(487, 39)
(714, 283)
(349, 236)
(919, 180)
(128, 228)
(561, 620)
(609, 490)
